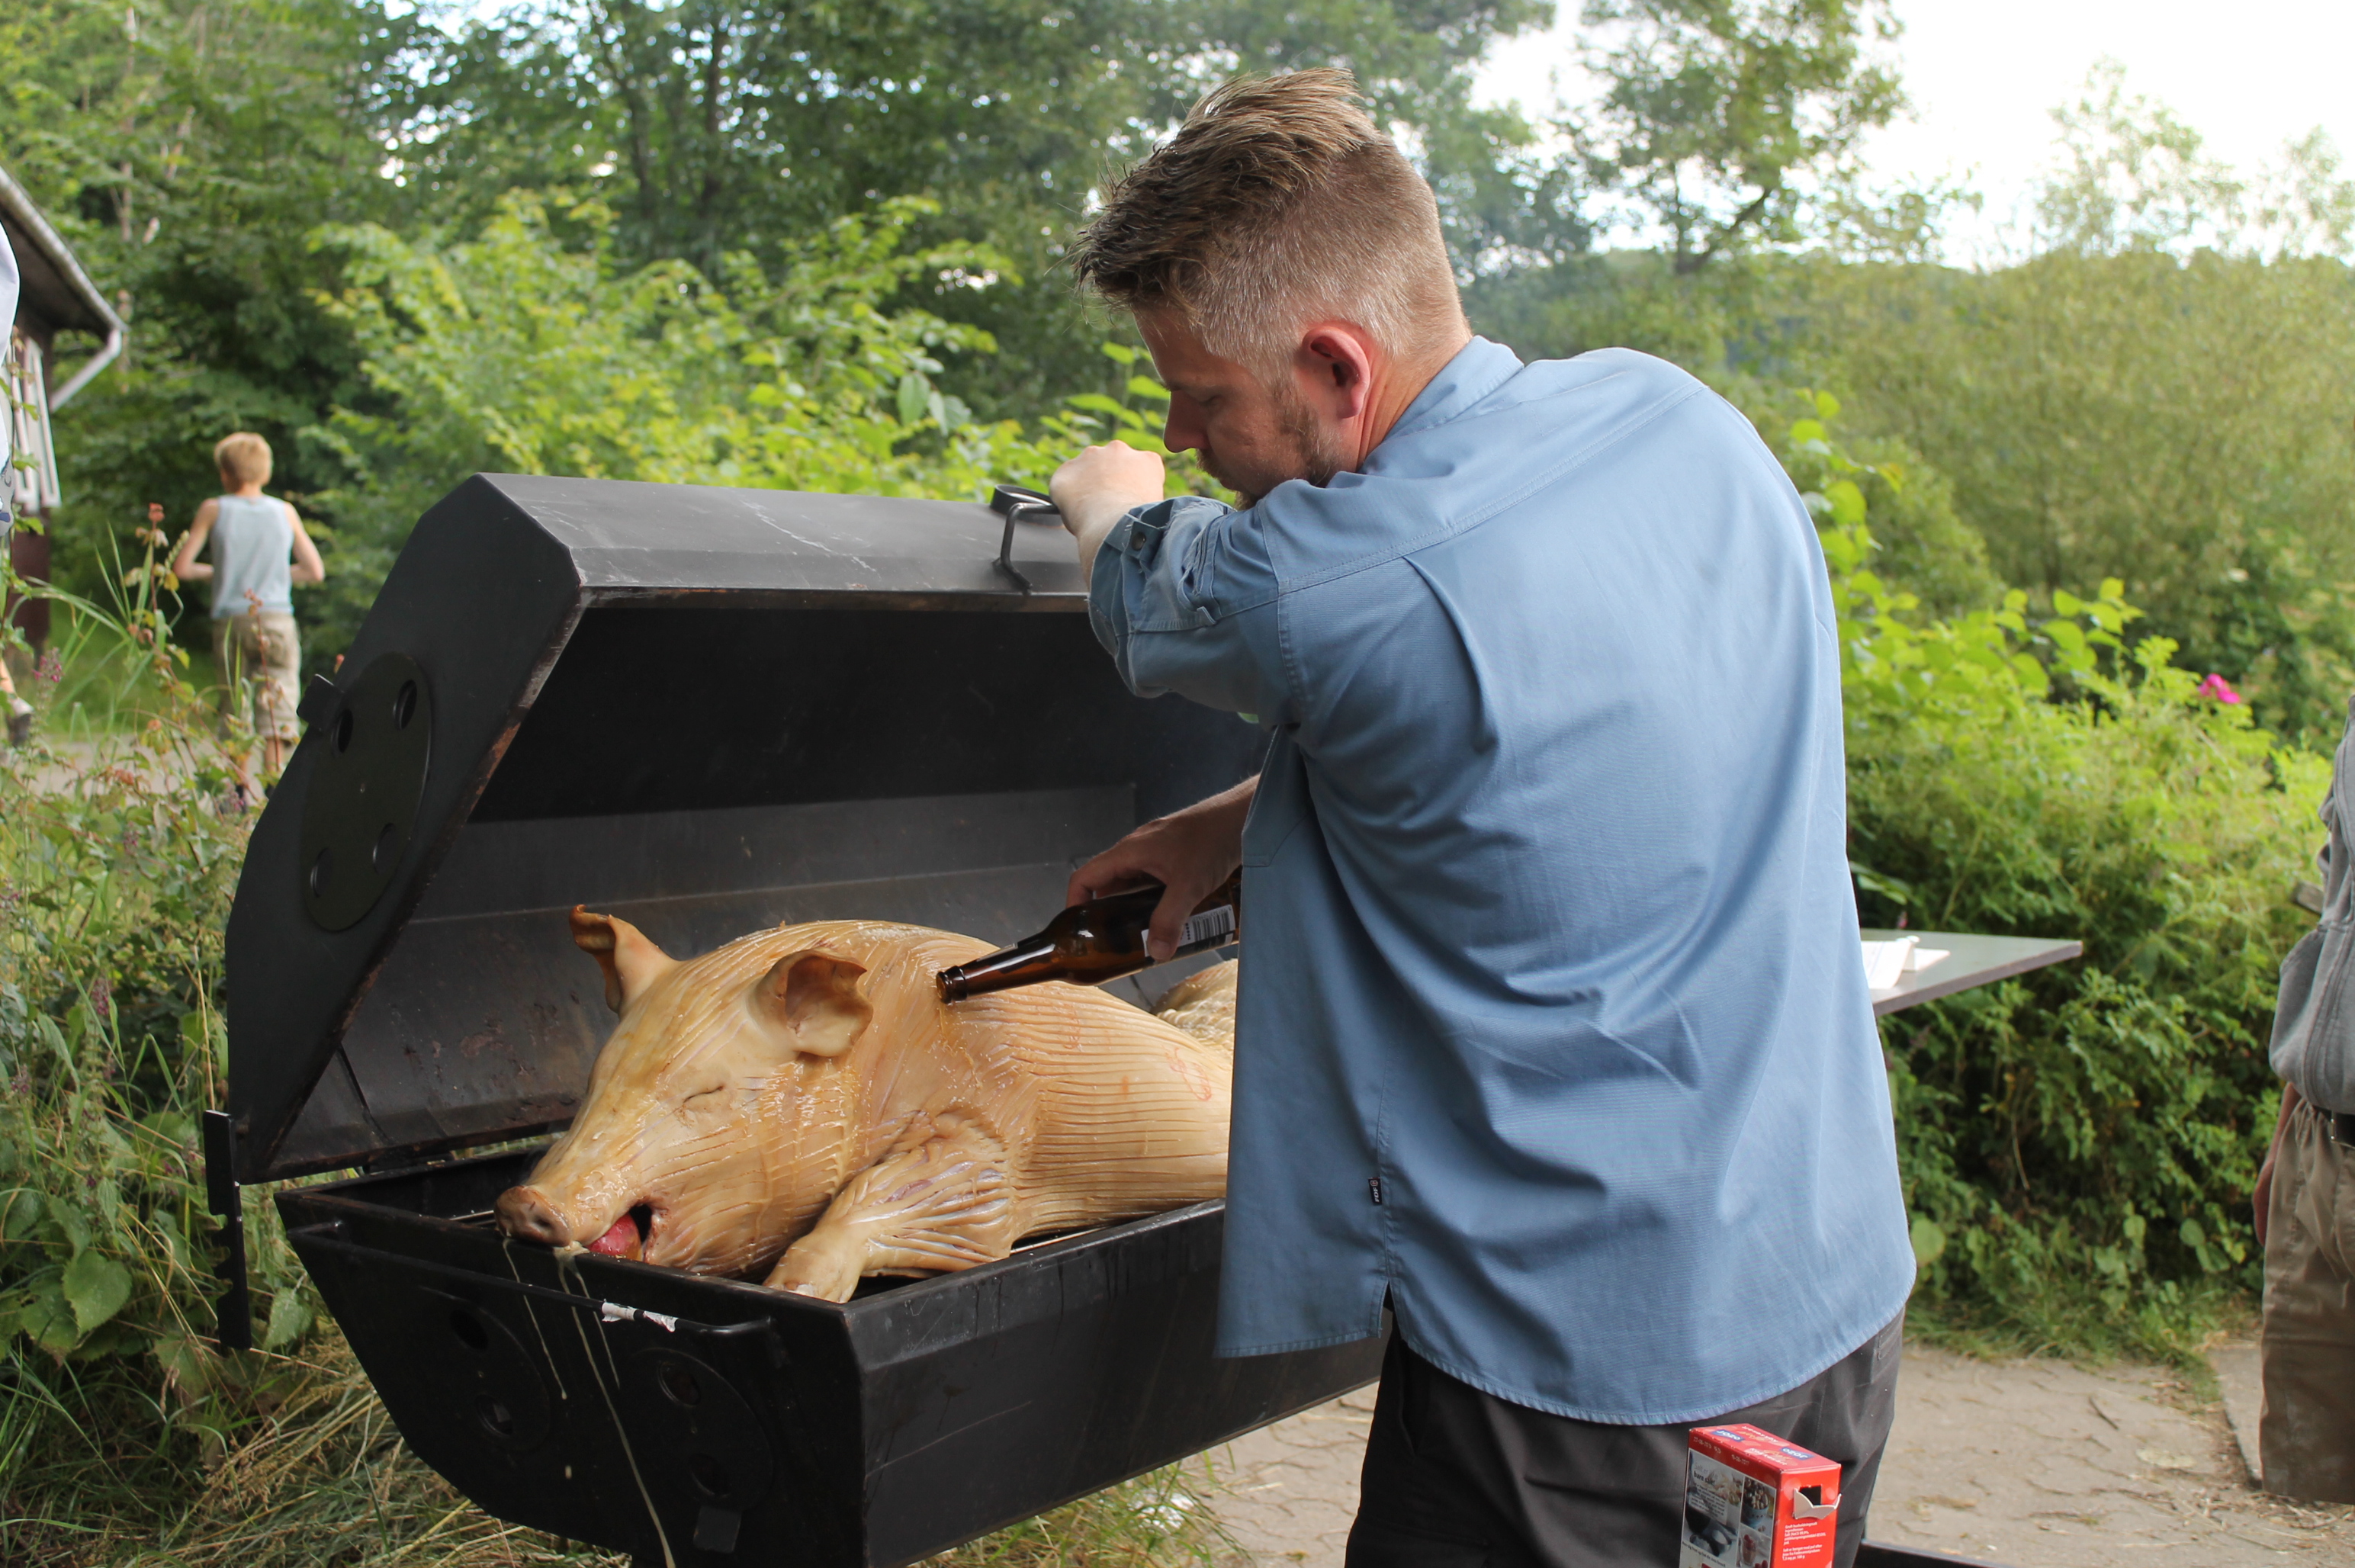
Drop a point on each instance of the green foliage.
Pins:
(1715, 106)
(814, 377)
(2077, 1145)
(1919, 545)
(183, 148)
(2187, 421)
(713, 127)
(2136, 178)
(117, 863)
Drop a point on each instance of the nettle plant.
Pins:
(2077, 1144)
(118, 861)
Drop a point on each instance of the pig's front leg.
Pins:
(947, 1203)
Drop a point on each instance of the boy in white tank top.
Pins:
(260, 553)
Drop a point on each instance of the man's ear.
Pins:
(815, 999)
(1338, 358)
(630, 959)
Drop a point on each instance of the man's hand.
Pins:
(1100, 486)
(1188, 852)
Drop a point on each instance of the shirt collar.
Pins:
(1479, 368)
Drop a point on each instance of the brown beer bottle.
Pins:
(1100, 939)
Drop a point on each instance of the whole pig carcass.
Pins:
(801, 1105)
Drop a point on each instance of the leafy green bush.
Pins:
(118, 859)
(2077, 1144)
(483, 354)
(1920, 545)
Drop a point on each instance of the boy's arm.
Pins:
(185, 565)
(308, 566)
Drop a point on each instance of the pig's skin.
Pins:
(801, 1105)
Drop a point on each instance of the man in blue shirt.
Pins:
(1553, 1033)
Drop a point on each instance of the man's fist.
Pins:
(1100, 485)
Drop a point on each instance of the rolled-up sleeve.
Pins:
(1184, 597)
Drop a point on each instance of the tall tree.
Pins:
(719, 126)
(186, 148)
(1722, 114)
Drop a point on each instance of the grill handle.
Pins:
(1018, 504)
(330, 1236)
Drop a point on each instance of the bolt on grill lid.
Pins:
(704, 709)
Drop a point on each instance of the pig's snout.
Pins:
(525, 1213)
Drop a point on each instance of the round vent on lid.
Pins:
(362, 807)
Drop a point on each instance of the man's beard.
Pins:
(1315, 457)
(1307, 452)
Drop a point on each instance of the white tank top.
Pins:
(253, 548)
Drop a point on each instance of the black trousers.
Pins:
(1458, 1478)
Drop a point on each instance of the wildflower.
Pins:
(51, 667)
(2215, 687)
(102, 997)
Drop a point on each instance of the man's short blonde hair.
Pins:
(1277, 204)
(243, 458)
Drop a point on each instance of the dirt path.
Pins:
(2032, 1463)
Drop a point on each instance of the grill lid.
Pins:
(704, 709)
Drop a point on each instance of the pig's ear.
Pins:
(815, 999)
(631, 961)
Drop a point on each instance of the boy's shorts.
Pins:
(260, 663)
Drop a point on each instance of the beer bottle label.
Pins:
(1211, 925)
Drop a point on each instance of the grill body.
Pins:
(704, 712)
(760, 1428)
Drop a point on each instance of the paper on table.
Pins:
(1884, 962)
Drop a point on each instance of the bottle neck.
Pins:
(999, 971)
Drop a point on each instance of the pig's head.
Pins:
(718, 1111)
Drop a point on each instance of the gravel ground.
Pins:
(2034, 1464)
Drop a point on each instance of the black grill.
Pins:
(705, 711)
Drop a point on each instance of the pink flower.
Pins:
(2214, 687)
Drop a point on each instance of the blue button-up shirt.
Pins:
(1552, 1024)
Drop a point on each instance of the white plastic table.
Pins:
(1970, 961)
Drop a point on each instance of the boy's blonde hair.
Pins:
(243, 458)
(1277, 204)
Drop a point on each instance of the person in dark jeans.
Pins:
(1454, 1475)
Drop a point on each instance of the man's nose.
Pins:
(1182, 430)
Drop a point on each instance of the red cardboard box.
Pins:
(1752, 1500)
